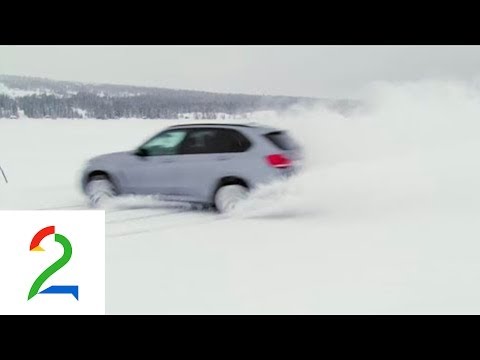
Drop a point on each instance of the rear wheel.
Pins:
(227, 197)
(99, 189)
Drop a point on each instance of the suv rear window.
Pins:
(282, 140)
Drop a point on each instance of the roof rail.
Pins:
(216, 124)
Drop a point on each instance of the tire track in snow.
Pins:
(136, 214)
(145, 216)
(175, 224)
(65, 207)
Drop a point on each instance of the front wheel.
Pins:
(100, 188)
(228, 196)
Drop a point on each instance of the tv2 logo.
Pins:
(52, 269)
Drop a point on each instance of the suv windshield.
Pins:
(165, 143)
(282, 140)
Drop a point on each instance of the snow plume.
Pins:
(410, 147)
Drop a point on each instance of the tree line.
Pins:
(138, 106)
(44, 98)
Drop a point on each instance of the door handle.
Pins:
(224, 158)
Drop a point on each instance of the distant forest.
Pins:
(43, 98)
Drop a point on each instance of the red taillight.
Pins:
(278, 161)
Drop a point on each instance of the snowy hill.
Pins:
(42, 98)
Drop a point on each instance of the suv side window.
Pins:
(199, 141)
(231, 141)
(214, 141)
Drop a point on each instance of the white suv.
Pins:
(208, 164)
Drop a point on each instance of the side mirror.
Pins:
(141, 152)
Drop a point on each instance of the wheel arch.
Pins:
(104, 173)
(229, 180)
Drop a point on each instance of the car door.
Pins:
(154, 168)
(206, 155)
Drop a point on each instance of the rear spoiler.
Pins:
(4, 176)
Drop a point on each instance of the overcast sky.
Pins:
(319, 71)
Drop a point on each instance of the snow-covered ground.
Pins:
(384, 218)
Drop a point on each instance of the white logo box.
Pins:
(83, 272)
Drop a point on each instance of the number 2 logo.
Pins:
(52, 269)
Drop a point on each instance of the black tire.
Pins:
(227, 197)
(99, 189)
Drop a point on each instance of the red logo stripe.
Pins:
(49, 230)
